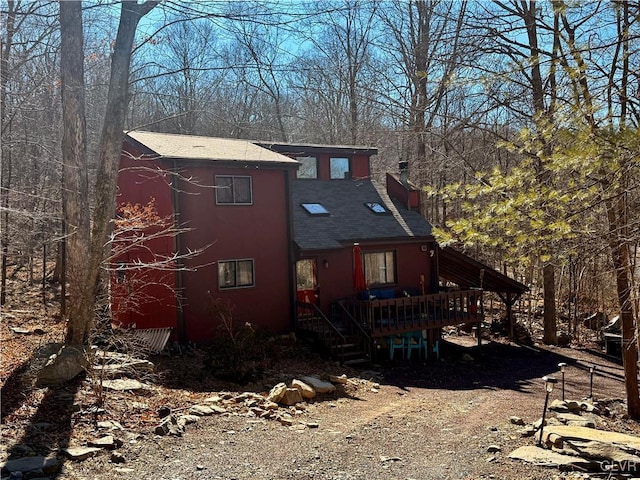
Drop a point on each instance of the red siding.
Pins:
(336, 282)
(408, 196)
(229, 232)
(144, 297)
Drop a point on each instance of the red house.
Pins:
(293, 237)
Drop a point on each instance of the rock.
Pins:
(268, 405)
(538, 423)
(20, 330)
(291, 397)
(320, 386)
(108, 441)
(110, 425)
(131, 367)
(64, 365)
(573, 406)
(467, 358)
(124, 384)
(80, 453)
(313, 424)
(277, 392)
(385, 459)
(576, 420)
(117, 457)
(494, 448)
(164, 411)
(548, 458)
(516, 420)
(342, 379)
(213, 399)
(201, 410)
(286, 421)
(306, 391)
(491, 459)
(527, 431)
(189, 419)
(217, 408)
(559, 406)
(573, 433)
(170, 426)
(48, 465)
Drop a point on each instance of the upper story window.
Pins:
(235, 273)
(308, 167)
(380, 268)
(233, 190)
(339, 167)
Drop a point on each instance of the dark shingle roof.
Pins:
(349, 219)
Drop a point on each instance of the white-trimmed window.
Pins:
(380, 268)
(308, 167)
(233, 190)
(236, 273)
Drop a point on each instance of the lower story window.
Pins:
(380, 268)
(235, 273)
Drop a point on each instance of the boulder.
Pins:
(291, 397)
(49, 465)
(306, 391)
(320, 386)
(65, 364)
(277, 392)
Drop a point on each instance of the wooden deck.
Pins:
(423, 312)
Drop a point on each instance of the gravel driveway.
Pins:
(433, 421)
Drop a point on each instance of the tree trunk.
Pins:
(620, 255)
(85, 247)
(549, 283)
(75, 191)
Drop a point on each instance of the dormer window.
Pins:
(315, 209)
(308, 167)
(339, 167)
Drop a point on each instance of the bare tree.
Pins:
(87, 243)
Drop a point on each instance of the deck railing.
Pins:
(405, 314)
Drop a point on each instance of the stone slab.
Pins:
(48, 465)
(549, 458)
(570, 432)
(320, 386)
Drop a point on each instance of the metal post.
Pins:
(562, 366)
(548, 385)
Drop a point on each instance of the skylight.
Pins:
(375, 207)
(315, 209)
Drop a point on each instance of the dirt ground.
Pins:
(405, 420)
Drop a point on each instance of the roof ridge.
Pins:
(392, 208)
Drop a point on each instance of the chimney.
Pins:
(404, 172)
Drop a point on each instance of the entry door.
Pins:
(307, 281)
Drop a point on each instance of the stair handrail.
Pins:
(326, 323)
(353, 321)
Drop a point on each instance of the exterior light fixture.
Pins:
(562, 366)
(549, 383)
(325, 263)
